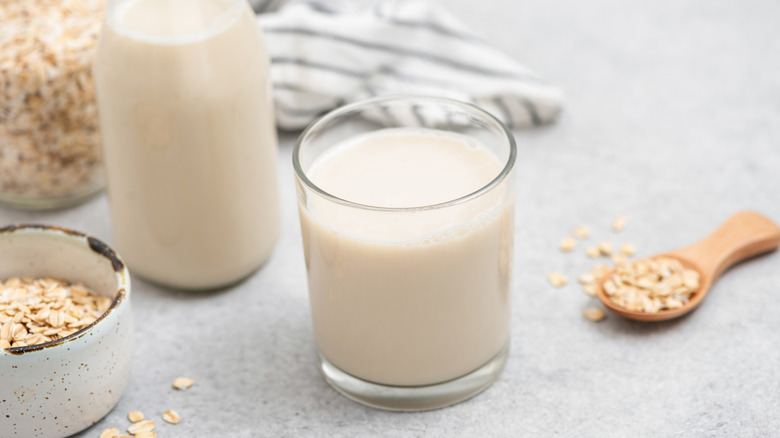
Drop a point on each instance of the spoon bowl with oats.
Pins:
(669, 285)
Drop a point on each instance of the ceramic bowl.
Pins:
(61, 387)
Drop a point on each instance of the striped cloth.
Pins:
(328, 53)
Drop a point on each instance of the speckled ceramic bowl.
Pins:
(58, 388)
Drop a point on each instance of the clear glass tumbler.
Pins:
(410, 301)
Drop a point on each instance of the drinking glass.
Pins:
(410, 305)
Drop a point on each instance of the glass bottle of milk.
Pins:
(189, 139)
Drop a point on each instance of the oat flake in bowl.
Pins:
(50, 152)
(41, 310)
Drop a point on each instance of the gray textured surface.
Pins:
(673, 119)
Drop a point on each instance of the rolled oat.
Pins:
(586, 278)
(568, 244)
(140, 427)
(605, 248)
(556, 279)
(619, 223)
(593, 251)
(135, 416)
(652, 285)
(619, 259)
(171, 417)
(627, 249)
(581, 231)
(36, 311)
(109, 433)
(182, 383)
(594, 314)
(48, 117)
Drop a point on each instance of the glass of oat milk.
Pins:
(407, 214)
(189, 137)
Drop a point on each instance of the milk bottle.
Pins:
(189, 138)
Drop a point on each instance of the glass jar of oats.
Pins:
(50, 152)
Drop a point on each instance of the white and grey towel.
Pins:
(328, 53)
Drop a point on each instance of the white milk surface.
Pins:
(190, 141)
(409, 297)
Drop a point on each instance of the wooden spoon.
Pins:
(744, 235)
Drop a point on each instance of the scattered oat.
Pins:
(605, 248)
(556, 279)
(568, 244)
(619, 223)
(627, 249)
(590, 289)
(594, 314)
(183, 383)
(581, 232)
(619, 259)
(599, 271)
(109, 433)
(140, 427)
(36, 311)
(145, 435)
(135, 416)
(171, 417)
(48, 116)
(592, 251)
(652, 285)
(586, 278)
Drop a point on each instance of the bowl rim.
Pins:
(99, 247)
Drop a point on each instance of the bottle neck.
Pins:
(173, 21)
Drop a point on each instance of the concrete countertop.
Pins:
(672, 119)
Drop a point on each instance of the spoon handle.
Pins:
(743, 235)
